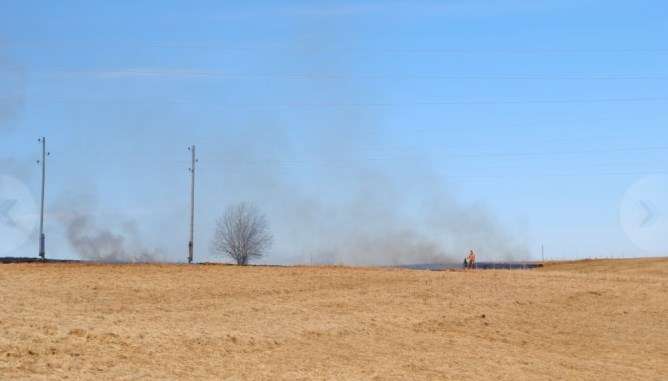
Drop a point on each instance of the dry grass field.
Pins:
(588, 320)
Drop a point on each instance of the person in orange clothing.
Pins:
(471, 260)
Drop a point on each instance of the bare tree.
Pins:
(242, 233)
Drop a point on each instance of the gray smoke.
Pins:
(94, 243)
(352, 210)
(340, 193)
(376, 231)
(22, 169)
(334, 192)
(382, 224)
(12, 88)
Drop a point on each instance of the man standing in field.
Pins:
(471, 260)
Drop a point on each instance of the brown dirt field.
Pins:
(588, 320)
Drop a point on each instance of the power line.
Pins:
(559, 153)
(383, 104)
(520, 51)
(427, 50)
(523, 175)
(381, 158)
(482, 102)
(216, 74)
(223, 47)
(556, 174)
(407, 155)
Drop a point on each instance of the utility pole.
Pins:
(542, 252)
(42, 238)
(191, 243)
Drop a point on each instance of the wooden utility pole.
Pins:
(42, 237)
(191, 242)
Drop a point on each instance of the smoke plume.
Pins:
(341, 192)
(12, 86)
(102, 245)
(385, 219)
(337, 181)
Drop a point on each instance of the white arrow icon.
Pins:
(640, 215)
(649, 214)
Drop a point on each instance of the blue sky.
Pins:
(541, 113)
